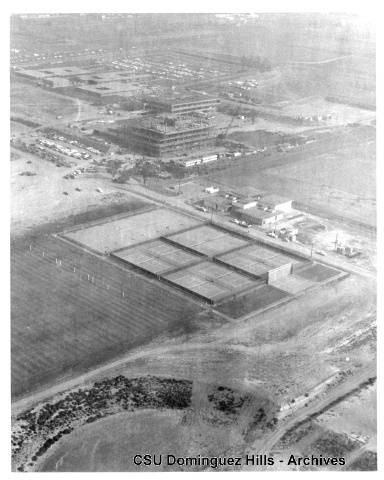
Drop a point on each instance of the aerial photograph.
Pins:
(193, 242)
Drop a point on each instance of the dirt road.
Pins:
(267, 443)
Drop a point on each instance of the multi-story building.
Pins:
(183, 103)
(166, 136)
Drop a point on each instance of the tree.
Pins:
(179, 171)
(113, 166)
(146, 170)
(125, 175)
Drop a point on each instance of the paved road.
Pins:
(178, 204)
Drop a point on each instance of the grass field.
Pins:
(65, 321)
(127, 231)
(333, 176)
(257, 138)
(292, 284)
(26, 101)
(339, 171)
(317, 272)
(256, 299)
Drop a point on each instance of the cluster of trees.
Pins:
(144, 168)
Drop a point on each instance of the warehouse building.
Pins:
(181, 103)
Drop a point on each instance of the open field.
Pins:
(347, 428)
(257, 138)
(317, 272)
(26, 101)
(39, 199)
(331, 183)
(292, 284)
(19, 128)
(115, 440)
(259, 298)
(338, 171)
(355, 416)
(71, 315)
(317, 106)
(284, 355)
(124, 232)
(186, 415)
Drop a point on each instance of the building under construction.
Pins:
(162, 136)
(183, 103)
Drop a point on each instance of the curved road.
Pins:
(266, 444)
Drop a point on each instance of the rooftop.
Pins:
(274, 199)
(114, 88)
(111, 76)
(258, 213)
(170, 123)
(181, 98)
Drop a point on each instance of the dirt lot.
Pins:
(123, 436)
(317, 106)
(39, 199)
(356, 417)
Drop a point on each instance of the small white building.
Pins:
(275, 202)
(245, 204)
(212, 189)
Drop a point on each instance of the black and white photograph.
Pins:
(192, 241)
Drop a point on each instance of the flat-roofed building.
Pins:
(183, 103)
(111, 90)
(257, 216)
(275, 202)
